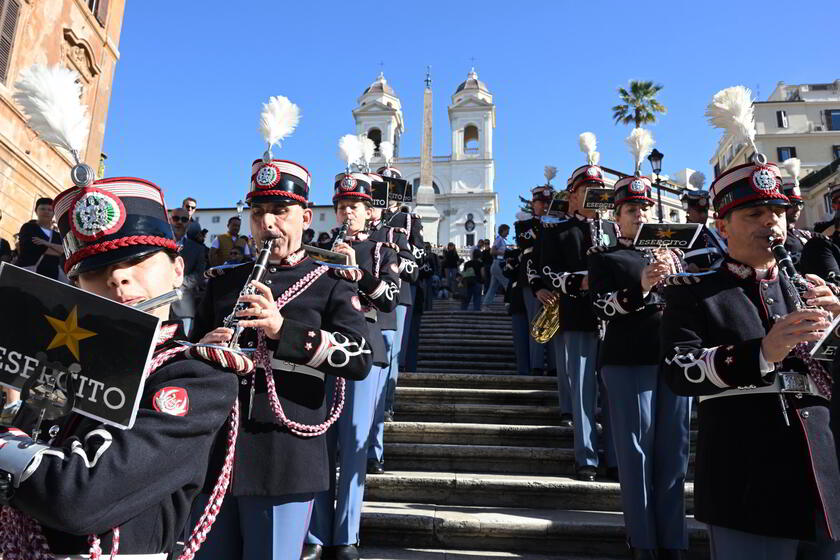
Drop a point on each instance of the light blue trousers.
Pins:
(338, 511)
(256, 527)
(376, 443)
(580, 349)
(650, 431)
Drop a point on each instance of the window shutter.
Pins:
(781, 119)
(793, 151)
(102, 12)
(779, 156)
(9, 11)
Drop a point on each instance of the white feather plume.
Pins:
(793, 166)
(520, 216)
(697, 180)
(594, 158)
(588, 145)
(386, 148)
(349, 149)
(50, 97)
(732, 110)
(550, 173)
(368, 149)
(278, 119)
(640, 143)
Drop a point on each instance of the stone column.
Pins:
(429, 215)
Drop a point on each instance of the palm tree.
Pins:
(639, 104)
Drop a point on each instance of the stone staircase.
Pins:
(477, 464)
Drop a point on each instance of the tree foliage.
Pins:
(639, 104)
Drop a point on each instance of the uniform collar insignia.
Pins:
(625, 242)
(167, 332)
(356, 238)
(294, 258)
(746, 272)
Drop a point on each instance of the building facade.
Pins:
(83, 35)
(801, 121)
(215, 220)
(463, 181)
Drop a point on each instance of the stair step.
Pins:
(379, 553)
(463, 365)
(456, 347)
(587, 534)
(433, 354)
(478, 434)
(476, 413)
(479, 458)
(470, 380)
(487, 396)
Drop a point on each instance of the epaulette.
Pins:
(226, 358)
(687, 279)
(598, 249)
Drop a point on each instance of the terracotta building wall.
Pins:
(50, 32)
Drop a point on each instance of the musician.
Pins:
(563, 267)
(337, 512)
(94, 482)
(307, 321)
(821, 254)
(709, 248)
(390, 227)
(796, 237)
(766, 469)
(650, 424)
(521, 328)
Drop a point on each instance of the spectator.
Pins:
(191, 205)
(308, 236)
(40, 245)
(451, 262)
(221, 246)
(472, 282)
(16, 250)
(324, 240)
(497, 278)
(194, 267)
(486, 263)
(235, 256)
(5, 248)
(249, 250)
(430, 270)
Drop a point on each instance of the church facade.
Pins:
(462, 181)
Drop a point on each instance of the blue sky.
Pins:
(191, 78)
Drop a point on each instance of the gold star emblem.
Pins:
(605, 197)
(664, 233)
(68, 333)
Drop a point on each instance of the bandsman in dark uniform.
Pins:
(766, 470)
(385, 228)
(821, 254)
(796, 237)
(307, 324)
(563, 266)
(97, 488)
(337, 512)
(520, 325)
(709, 248)
(649, 423)
(91, 487)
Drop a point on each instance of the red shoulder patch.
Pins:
(172, 400)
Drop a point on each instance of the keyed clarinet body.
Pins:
(257, 274)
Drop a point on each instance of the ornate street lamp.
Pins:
(240, 206)
(655, 159)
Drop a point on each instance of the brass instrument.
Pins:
(547, 322)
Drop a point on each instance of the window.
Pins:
(785, 152)
(99, 8)
(376, 135)
(835, 152)
(717, 169)
(832, 119)
(781, 119)
(321, 217)
(216, 219)
(9, 12)
(675, 216)
(470, 239)
(471, 139)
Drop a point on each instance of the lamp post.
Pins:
(655, 159)
(240, 206)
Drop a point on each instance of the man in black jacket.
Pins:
(40, 245)
(766, 468)
(307, 324)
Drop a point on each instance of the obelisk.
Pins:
(429, 216)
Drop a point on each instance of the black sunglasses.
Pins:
(183, 219)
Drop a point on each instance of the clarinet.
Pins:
(342, 233)
(786, 268)
(257, 274)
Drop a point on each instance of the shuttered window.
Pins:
(785, 152)
(9, 13)
(99, 9)
(781, 119)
